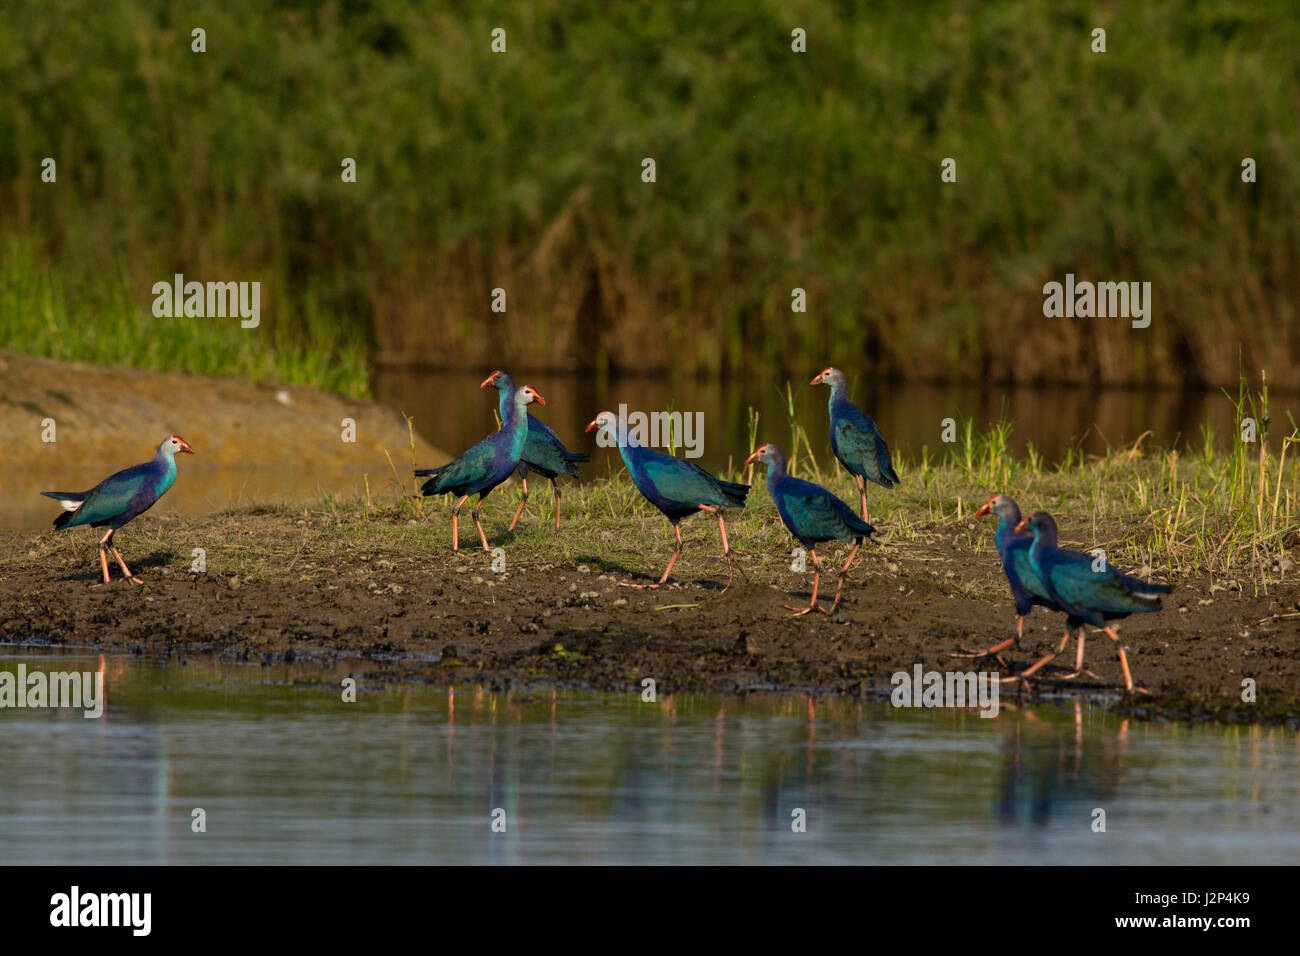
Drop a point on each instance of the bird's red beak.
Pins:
(592, 425)
(537, 397)
(489, 380)
(185, 447)
(817, 379)
(753, 457)
(985, 509)
(1022, 527)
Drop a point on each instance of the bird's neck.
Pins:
(838, 393)
(1043, 543)
(1006, 529)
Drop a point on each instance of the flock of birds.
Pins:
(1085, 588)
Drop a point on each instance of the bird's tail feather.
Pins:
(1145, 589)
(734, 489)
(71, 501)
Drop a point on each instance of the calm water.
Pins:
(287, 773)
(452, 413)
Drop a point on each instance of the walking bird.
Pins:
(1027, 589)
(855, 439)
(483, 466)
(120, 497)
(1088, 593)
(543, 452)
(812, 514)
(675, 486)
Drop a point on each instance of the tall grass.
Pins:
(776, 170)
(100, 322)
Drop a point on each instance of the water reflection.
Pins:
(286, 772)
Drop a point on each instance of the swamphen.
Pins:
(544, 453)
(1027, 589)
(812, 514)
(675, 486)
(855, 439)
(483, 466)
(120, 497)
(1094, 597)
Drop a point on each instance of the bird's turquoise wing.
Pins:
(681, 480)
(1078, 584)
(859, 444)
(112, 496)
(813, 512)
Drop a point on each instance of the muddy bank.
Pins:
(386, 594)
(253, 442)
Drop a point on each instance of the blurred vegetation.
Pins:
(775, 170)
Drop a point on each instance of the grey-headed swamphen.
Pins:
(855, 439)
(484, 466)
(120, 497)
(813, 515)
(675, 486)
(543, 453)
(1027, 588)
(1090, 595)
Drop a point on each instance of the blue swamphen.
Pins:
(1027, 588)
(483, 466)
(544, 453)
(120, 497)
(675, 486)
(855, 439)
(1087, 593)
(812, 514)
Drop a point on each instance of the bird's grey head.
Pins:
(1002, 506)
(173, 445)
(768, 454)
(527, 395)
(500, 381)
(830, 376)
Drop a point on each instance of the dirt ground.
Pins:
(391, 598)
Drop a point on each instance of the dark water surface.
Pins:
(288, 773)
(452, 413)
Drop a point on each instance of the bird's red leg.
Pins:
(1123, 663)
(481, 536)
(817, 576)
(676, 554)
(997, 649)
(125, 570)
(667, 571)
(103, 553)
(455, 519)
(839, 585)
(556, 488)
(1078, 660)
(1033, 668)
(862, 490)
(726, 548)
(518, 511)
